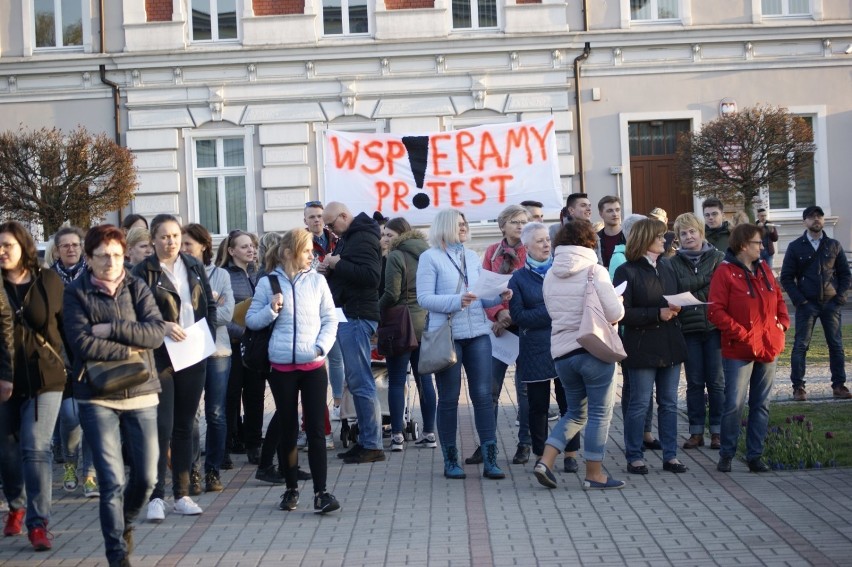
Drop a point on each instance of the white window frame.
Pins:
(344, 16)
(28, 9)
(816, 12)
(214, 24)
(684, 8)
(474, 17)
(248, 168)
(822, 195)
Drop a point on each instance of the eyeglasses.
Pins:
(75, 246)
(106, 258)
(330, 225)
(758, 242)
(518, 222)
(314, 204)
(6, 246)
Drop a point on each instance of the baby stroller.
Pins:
(348, 418)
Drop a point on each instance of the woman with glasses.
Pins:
(445, 274)
(653, 341)
(71, 264)
(112, 314)
(747, 306)
(183, 295)
(28, 417)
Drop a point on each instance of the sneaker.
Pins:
(335, 413)
(522, 455)
(428, 441)
(301, 475)
(610, 484)
(302, 441)
(69, 481)
(90, 488)
(552, 415)
(397, 442)
(544, 475)
(366, 456)
(186, 507)
(841, 392)
(325, 503)
(799, 394)
(329, 442)
(40, 538)
(156, 510)
(195, 483)
(269, 474)
(14, 522)
(289, 500)
(475, 458)
(212, 482)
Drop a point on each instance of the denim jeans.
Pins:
(829, 315)
(26, 459)
(589, 386)
(75, 446)
(354, 340)
(703, 368)
(475, 355)
(642, 380)
(498, 375)
(122, 497)
(625, 400)
(336, 374)
(397, 377)
(215, 398)
(741, 378)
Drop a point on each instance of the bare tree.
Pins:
(736, 155)
(48, 177)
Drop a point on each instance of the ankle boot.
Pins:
(452, 469)
(489, 461)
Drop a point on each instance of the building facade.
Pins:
(224, 102)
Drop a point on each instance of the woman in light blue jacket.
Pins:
(445, 274)
(304, 328)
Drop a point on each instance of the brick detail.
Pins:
(278, 7)
(158, 10)
(408, 4)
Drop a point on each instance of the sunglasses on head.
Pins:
(314, 204)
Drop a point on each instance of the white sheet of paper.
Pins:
(621, 288)
(505, 347)
(341, 318)
(489, 285)
(197, 346)
(684, 299)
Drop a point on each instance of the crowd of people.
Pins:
(107, 302)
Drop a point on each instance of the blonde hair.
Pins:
(295, 240)
(688, 220)
(445, 228)
(509, 213)
(641, 237)
(137, 235)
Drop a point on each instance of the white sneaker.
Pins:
(397, 442)
(187, 507)
(156, 510)
(335, 413)
(428, 440)
(329, 441)
(302, 441)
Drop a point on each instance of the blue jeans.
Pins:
(397, 377)
(215, 399)
(498, 375)
(354, 340)
(590, 392)
(703, 368)
(26, 459)
(74, 444)
(754, 379)
(336, 374)
(642, 380)
(625, 400)
(121, 497)
(475, 355)
(829, 315)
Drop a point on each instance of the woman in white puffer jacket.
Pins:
(588, 381)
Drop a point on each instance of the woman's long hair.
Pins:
(29, 253)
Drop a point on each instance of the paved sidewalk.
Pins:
(403, 512)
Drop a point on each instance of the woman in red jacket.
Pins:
(747, 306)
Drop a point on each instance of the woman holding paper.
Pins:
(183, 295)
(112, 314)
(653, 341)
(694, 264)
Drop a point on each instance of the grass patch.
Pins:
(818, 351)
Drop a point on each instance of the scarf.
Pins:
(108, 287)
(68, 275)
(509, 255)
(539, 268)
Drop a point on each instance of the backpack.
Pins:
(254, 345)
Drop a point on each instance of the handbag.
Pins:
(396, 334)
(437, 348)
(106, 377)
(597, 335)
(254, 345)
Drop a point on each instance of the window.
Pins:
(345, 17)
(214, 20)
(58, 23)
(222, 180)
(800, 191)
(786, 7)
(474, 14)
(654, 10)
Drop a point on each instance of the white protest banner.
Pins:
(478, 170)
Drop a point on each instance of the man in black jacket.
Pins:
(815, 274)
(354, 272)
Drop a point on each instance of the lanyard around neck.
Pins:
(463, 270)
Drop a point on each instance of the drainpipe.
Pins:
(585, 15)
(116, 93)
(587, 50)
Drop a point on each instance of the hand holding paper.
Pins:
(685, 299)
(490, 285)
